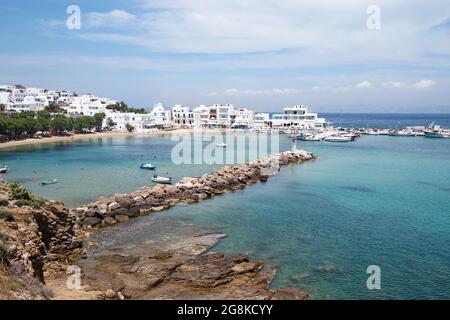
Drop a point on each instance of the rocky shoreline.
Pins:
(37, 243)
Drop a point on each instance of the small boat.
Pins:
(49, 182)
(437, 134)
(435, 131)
(308, 137)
(147, 166)
(337, 139)
(3, 169)
(162, 180)
(221, 145)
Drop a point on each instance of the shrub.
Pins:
(4, 203)
(18, 192)
(37, 203)
(6, 215)
(21, 203)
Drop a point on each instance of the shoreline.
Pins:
(87, 136)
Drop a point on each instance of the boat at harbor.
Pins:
(162, 180)
(49, 182)
(147, 166)
(3, 169)
(435, 131)
(308, 137)
(336, 138)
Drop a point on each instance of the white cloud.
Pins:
(244, 92)
(420, 85)
(424, 84)
(114, 18)
(364, 84)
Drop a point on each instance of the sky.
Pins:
(334, 56)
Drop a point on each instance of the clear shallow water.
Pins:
(380, 200)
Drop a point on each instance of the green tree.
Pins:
(110, 123)
(130, 128)
(98, 121)
(59, 123)
(54, 108)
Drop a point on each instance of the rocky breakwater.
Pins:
(122, 207)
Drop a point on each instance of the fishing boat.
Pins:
(162, 180)
(147, 166)
(437, 134)
(3, 169)
(435, 131)
(337, 139)
(49, 182)
(221, 145)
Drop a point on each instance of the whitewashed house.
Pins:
(299, 117)
(242, 118)
(161, 116)
(182, 116)
(88, 105)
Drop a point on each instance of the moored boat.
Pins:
(147, 166)
(49, 182)
(221, 145)
(308, 137)
(437, 134)
(337, 139)
(435, 131)
(162, 180)
(3, 169)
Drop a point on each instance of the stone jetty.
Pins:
(122, 207)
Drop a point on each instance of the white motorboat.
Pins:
(162, 180)
(337, 139)
(221, 145)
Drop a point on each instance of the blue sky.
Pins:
(263, 54)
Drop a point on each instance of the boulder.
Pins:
(123, 200)
(91, 221)
(113, 206)
(109, 221)
(121, 218)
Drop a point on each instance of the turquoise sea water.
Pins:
(378, 201)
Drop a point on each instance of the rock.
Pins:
(113, 206)
(121, 218)
(91, 221)
(120, 211)
(109, 221)
(90, 213)
(289, 294)
(158, 209)
(110, 294)
(123, 200)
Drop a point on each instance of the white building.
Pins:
(18, 98)
(141, 122)
(262, 121)
(161, 116)
(88, 105)
(299, 117)
(242, 118)
(182, 116)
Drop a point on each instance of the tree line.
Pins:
(27, 124)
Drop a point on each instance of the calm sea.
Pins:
(378, 201)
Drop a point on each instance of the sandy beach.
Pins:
(77, 137)
(106, 134)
